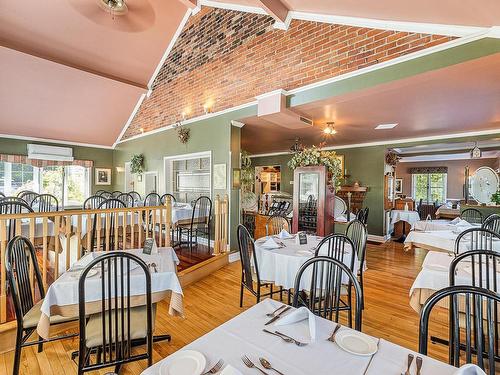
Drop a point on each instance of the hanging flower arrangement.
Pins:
(182, 133)
(137, 164)
(315, 156)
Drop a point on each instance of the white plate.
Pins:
(355, 342)
(77, 274)
(185, 362)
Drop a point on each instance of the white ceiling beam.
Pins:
(277, 10)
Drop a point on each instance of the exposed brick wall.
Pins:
(226, 58)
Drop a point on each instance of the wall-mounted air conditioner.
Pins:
(50, 153)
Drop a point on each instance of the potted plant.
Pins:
(315, 156)
(496, 198)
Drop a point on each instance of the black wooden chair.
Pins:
(2, 195)
(275, 224)
(476, 239)
(27, 195)
(113, 241)
(45, 203)
(201, 218)
(323, 296)
(93, 202)
(472, 216)
(136, 195)
(152, 199)
(358, 234)
(492, 222)
(126, 198)
(163, 198)
(426, 210)
(12, 205)
(106, 195)
(20, 261)
(472, 327)
(107, 337)
(250, 278)
(99, 192)
(116, 193)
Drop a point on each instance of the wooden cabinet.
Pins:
(313, 201)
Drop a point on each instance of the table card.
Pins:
(302, 238)
(150, 246)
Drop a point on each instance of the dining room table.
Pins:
(405, 216)
(351, 352)
(434, 276)
(280, 264)
(442, 224)
(62, 298)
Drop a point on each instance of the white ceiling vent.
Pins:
(50, 153)
(272, 107)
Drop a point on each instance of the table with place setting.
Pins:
(241, 345)
(442, 224)
(280, 258)
(61, 297)
(434, 276)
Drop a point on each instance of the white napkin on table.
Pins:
(230, 370)
(284, 234)
(270, 244)
(341, 219)
(456, 220)
(469, 369)
(299, 315)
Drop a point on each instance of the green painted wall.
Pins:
(103, 158)
(365, 165)
(214, 134)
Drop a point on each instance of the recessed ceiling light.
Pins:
(385, 126)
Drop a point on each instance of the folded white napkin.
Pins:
(469, 369)
(299, 315)
(230, 370)
(341, 219)
(455, 220)
(270, 244)
(284, 235)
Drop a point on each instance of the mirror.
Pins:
(308, 199)
(483, 183)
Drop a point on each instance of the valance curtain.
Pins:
(424, 170)
(23, 159)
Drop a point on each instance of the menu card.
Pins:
(150, 246)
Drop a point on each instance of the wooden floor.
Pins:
(214, 300)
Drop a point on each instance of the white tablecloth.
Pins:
(280, 266)
(64, 291)
(410, 217)
(243, 335)
(440, 225)
(440, 240)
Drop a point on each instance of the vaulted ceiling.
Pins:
(71, 72)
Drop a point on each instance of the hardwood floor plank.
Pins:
(215, 299)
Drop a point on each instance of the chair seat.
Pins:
(138, 326)
(32, 317)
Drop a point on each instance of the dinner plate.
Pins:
(77, 274)
(355, 342)
(185, 362)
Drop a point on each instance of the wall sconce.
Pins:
(142, 130)
(183, 115)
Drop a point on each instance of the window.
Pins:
(69, 184)
(430, 187)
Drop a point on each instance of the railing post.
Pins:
(225, 223)
(168, 221)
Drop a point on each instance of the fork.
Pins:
(298, 343)
(332, 337)
(216, 368)
(250, 364)
(272, 314)
(285, 339)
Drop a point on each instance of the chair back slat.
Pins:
(137, 197)
(107, 222)
(477, 239)
(164, 198)
(356, 231)
(28, 196)
(20, 263)
(336, 248)
(323, 297)
(13, 205)
(202, 210)
(45, 203)
(152, 199)
(116, 315)
(492, 222)
(472, 216)
(473, 325)
(275, 224)
(126, 198)
(93, 202)
(247, 253)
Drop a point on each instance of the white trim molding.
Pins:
(130, 118)
(237, 124)
(49, 140)
(234, 256)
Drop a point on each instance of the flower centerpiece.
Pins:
(316, 156)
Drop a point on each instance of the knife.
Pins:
(278, 316)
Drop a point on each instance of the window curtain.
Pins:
(23, 159)
(424, 170)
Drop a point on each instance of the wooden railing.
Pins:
(62, 237)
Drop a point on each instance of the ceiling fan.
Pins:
(122, 15)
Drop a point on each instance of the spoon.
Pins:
(154, 267)
(265, 363)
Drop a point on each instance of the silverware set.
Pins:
(332, 336)
(277, 316)
(272, 314)
(419, 362)
(153, 265)
(250, 364)
(216, 368)
(285, 338)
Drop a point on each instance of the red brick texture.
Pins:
(226, 58)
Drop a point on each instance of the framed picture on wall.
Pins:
(103, 176)
(220, 176)
(398, 186)
(342, 164)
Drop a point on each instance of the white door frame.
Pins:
(155, 173)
